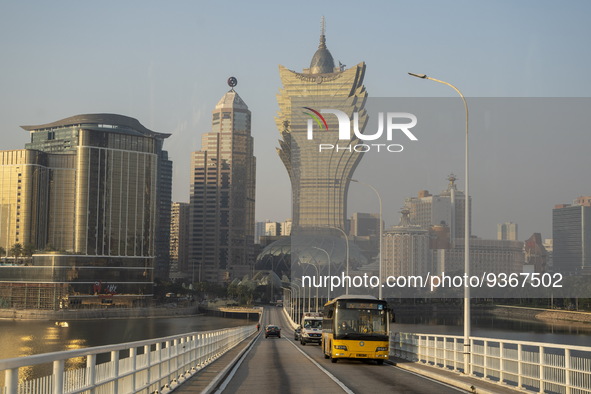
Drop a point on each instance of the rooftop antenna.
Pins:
(322, 31)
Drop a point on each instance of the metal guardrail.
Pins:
(151, 366)
(532, 366)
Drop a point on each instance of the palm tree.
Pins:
(16, 251)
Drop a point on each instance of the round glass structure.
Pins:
(309, 254)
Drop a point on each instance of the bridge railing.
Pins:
(533, 366)
(155, 365)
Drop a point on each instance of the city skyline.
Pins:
(157, 67)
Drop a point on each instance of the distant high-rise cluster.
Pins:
(430, 239)
(446, 208)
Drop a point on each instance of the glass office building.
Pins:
(23, 198)
(96, 183)
(571, 233)
(163, 214)
(222, 196)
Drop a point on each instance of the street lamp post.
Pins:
(328, 256)
(271, 277)
(318, 276)
(299, 301)
(381, 235)
(300, 262)
(346, 255)
(290, 308)
(466, 234)
(294, 304)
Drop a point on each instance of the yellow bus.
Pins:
(356, 327)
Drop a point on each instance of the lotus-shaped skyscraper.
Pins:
(319, 179)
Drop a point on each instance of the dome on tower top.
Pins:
(322, 61)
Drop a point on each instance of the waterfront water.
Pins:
(24, 338)
(560, 332)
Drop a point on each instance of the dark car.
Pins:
(272, 330)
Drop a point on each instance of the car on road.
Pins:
(272, 330)
(297, 333)
(310, 328)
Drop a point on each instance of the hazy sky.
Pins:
(166, 64)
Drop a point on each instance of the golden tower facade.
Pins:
(319, 179)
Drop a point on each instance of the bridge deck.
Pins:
(283, 365)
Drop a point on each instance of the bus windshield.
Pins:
(360, 323)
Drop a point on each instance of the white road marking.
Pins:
(236, 366)
(346, 389)
(430, 379)
(341, 384)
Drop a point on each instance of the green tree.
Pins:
(233, 290)
(16, 251)
(246, 292)
(28, 250)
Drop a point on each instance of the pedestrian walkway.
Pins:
(206, 380)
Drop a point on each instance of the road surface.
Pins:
(282, 365)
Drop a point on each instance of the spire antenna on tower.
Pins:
(322, 44)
